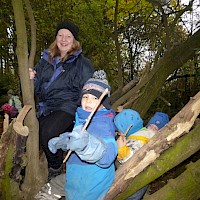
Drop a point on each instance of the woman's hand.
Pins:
(32, 73)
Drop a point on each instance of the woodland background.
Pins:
(149, 49)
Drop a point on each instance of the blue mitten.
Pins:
(78, 139)
(59, 142)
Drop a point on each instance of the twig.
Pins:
(88, 119)
(127, 130)
(164, 100)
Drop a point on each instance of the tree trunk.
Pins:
(171, 61)
(33, 180)
(185, 186)
(178, 126)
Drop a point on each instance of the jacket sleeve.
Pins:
(99, 151)
(109, 155)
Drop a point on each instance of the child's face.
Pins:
(153, 127)
(89, 101)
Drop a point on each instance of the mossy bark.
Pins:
(177, 127)
(184, 187)
(10, 189)
(33, 174)
(183, 149)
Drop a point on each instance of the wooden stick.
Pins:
(88, 119)
(127, 130)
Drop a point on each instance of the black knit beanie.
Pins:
(70, 26)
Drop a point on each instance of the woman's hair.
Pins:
(54, 51)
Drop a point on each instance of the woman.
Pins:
(58, 79)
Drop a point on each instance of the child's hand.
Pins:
(121, 141)
(78, 139)
(59, 142)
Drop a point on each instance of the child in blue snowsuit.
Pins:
(90, 168)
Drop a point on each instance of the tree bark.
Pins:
(20, 145)
(33, 179)
(185, 186)
(119, 92)
(178, 126)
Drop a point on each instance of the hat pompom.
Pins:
(96, 86)
(100, 74)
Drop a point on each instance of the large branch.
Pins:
(185, 186)
(178, 126)
(183, 149)
(119, 92)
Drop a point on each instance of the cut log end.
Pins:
(20, 129)
(23, 113)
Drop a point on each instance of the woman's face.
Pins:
(89, 101)
(64, 41)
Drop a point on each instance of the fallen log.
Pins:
(179, 125)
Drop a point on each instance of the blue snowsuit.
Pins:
(89, 175)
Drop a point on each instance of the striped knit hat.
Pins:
(96, 86)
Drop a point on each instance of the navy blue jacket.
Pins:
(58, 85)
